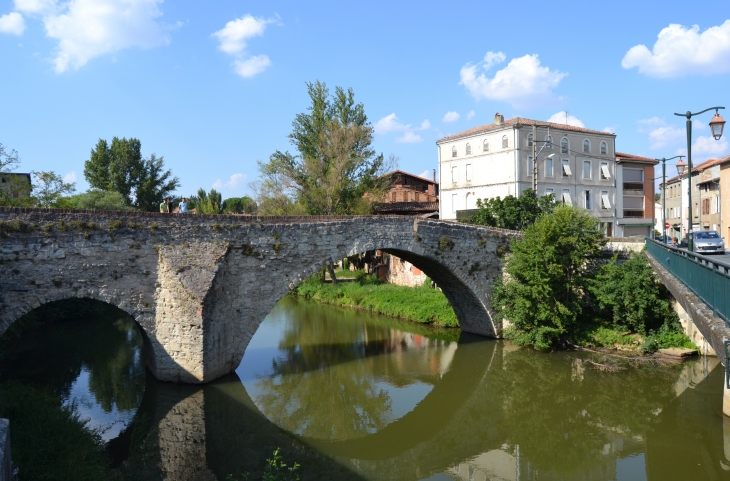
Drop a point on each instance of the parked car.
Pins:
(664, 239)
(709, 242)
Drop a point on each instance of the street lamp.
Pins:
(717, 124)
(664, 192)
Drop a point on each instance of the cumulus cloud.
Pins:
(522, 81)
(705, 148)
(234, 39)
(451, 117)
(681, 51)
(233, 183)
(70, 178)
(390, 123)
(565, 119)
(426, 174)
(661, 134)
(470, 115)
(609, 130)
(12, 23)
(36, 7)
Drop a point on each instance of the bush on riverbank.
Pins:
(419, 304)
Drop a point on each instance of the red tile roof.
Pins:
(700, 167)
(522, 121)
(410, 175)
(635, 158)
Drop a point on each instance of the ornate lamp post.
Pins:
(664, 191)
(717, 125)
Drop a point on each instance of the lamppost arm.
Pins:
(690, 114)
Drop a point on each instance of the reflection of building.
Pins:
(408, 194)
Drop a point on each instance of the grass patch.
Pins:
(419, 304)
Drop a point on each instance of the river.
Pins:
(351, 395)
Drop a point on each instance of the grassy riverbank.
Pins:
(419, 304)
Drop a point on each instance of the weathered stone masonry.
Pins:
(199, 286)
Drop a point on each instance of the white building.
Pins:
(576, 165)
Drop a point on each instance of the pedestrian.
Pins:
(165, 206)
(183, 205)
(675, 242)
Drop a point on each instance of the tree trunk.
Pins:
(332, 274)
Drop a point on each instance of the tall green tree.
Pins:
(239, 205)
(207, 202)
(119, 167)
(50, 189)
(513, 212)
(544, 289)
(334, 163)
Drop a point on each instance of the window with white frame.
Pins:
(564, 145)
(468, 149)
(548, 141)
(605, 173)
(566, 168)
(529, 140)
(454, 200)
(586, 145)
(549, 192)
(453, 151)
(505, 142)
(605, 201)
(587, 199)
(454, 174)
(586, 169)
(468, 172)
(485, 145)
(566, 196)
(548, 167)
(604, 148)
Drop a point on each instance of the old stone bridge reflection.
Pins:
(495, 413)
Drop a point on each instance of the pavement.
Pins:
(722, 257)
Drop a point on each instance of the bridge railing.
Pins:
(708, 279)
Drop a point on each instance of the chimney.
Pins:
(498, 119)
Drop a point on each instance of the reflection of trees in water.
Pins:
(71, 335)
(561, 416)
(316, 389)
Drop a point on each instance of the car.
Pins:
(663, 239)
(709, 242)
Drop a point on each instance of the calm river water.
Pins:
(350, 395)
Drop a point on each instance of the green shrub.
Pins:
(445, 243)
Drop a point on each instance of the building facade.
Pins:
(635, 199)
(724, 229)
(407, 194)
(576, 165)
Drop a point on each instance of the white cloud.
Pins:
(89, 28)
(681, 51)
(565, 119)
(451, 117)
(12, 23)
(426, 174)
(660, 133)
(233, 183)
(409, 138)
(523, 81)
(70, 178)
(234, 38)
(425, 125)
(609, 130)
(470, 115)
(705, 148)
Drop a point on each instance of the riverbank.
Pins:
(418, 304)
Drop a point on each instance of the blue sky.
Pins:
(214, 86)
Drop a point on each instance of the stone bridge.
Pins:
(199, 285)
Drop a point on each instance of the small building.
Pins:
(15, 185)
(408, 194)
(635, 202)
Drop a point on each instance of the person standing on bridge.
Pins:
(183, 206)
(675, 242)
(165, 206)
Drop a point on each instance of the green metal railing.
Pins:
(708, 279)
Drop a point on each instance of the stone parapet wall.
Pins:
(199, 286)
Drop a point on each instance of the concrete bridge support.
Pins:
(199, 286)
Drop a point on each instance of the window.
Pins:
(604, 148)
(586, 169)
(633, 175)
(566, 168)
(605, 174)
(505, 142)
(454, 174)
(453, 151)
(605, 201)
(468, 149)
(548, 167)
(586, 145)
(485, 145)
(587, 199)
(566, 196)
(564, 146)
(468, 172)
(549, 192)
(548, 141)
(454, 200)
(529, 140)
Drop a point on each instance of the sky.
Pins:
(213, 87)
